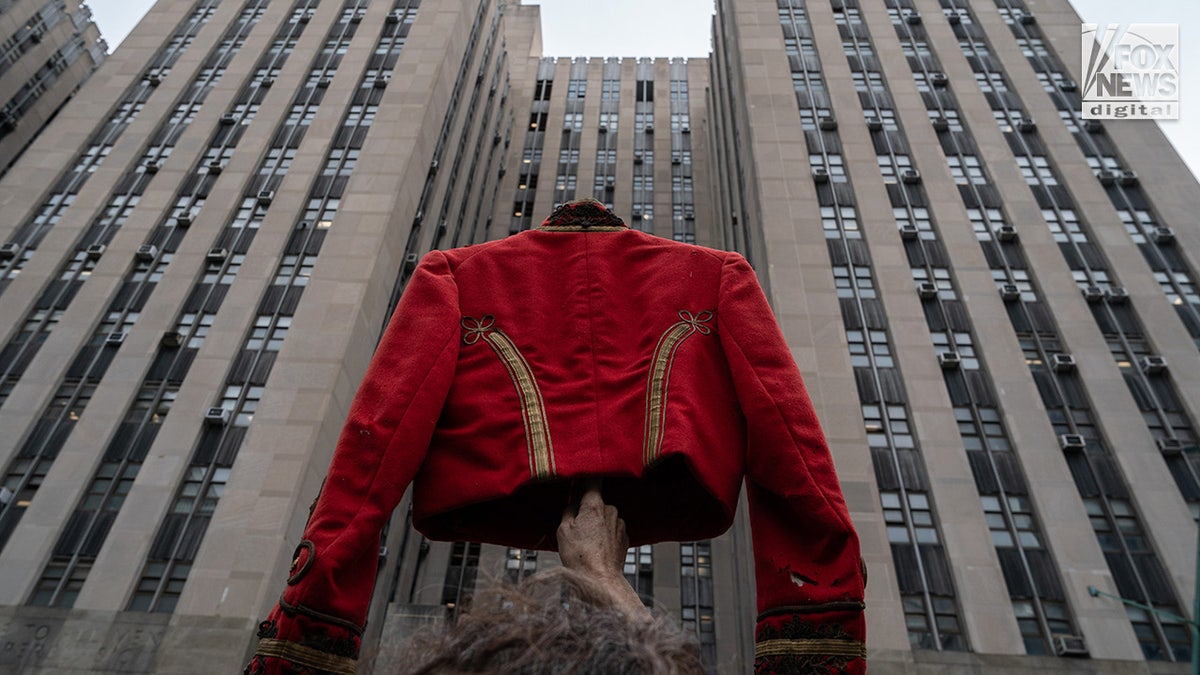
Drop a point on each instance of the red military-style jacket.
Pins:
(583, 348)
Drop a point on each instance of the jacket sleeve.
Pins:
(808, 571)
(317, 624)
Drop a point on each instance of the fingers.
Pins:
(591, 494)
(590, 498)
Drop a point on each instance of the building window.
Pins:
(639, 571)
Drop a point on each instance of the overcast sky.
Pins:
(582, 28)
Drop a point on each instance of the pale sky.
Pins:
(581, 28)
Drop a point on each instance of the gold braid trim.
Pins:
(533, 408)
(660, 377)
(306, 656)
(852, 648)
(583, 228)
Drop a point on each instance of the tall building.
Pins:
(993, 302)
(49, 48)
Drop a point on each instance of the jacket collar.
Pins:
(583, 215)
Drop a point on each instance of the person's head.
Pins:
(555, 622)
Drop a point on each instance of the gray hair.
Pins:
(553, 623)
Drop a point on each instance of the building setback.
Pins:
(993, 302)
(49, 49)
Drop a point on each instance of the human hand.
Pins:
(593, 542)
(592, 538)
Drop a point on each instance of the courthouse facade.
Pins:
(993, 302)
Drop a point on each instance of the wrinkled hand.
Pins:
(591, 537)
(592, 541)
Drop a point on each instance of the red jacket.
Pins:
(582, 348)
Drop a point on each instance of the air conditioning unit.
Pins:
(1070, 645)
(637, 215)
(649, 128)
(603, 129)
(324, 82)
(1117, 295)
(688, 130)
(9, 250)
(154, 78)
(95, 251)
(1170, 446)
(1128, 178)
(152, 166)
(229, 119)
(217, 255)
(676, 160)
(266, 82)
(1063, 363)
(266, 197)
(938, 79)
(910, 176)
(1153, 365)
(383, 554)
(1026, 18)
(356, 16)
(912, 18)
(395, 16)
(433, 168)
(820, 174)
(1068, 85)
(1010, 292)
(1093, 294)
(216, 417)
(171, 339)
(1093, 126)
(1006, 233)
(410, 262)
(1026, 125)
(689, 215)
(927, 290)
(953, 18)
(1106, 177)
(940, 123)
(114, 338)
(147, 252)
(1163, 235)
(183, 219)
(908, 232)
(874, 124)
(381, 80)
(306, 16)
(638, 158)
(214, 166)
(949, 360)
(1071, 442)
(610, 181)
(9, 121)
(827, 123)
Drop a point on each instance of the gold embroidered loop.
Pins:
(533, 408)
(824, 647)
(297, 571)
(697, 321)
(476, 328)
(660, 375)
